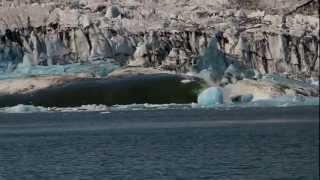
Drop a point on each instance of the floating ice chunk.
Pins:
(146, 106)
(186, 81)
(94, 107)
(211, 97)
(24, 109)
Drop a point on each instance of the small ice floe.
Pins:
(38, 109)
(24, 109)
(186, 81)
(147, 106)
(94, 107)
(84, 108)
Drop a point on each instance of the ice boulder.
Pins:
(211, 97)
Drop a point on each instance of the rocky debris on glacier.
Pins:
(226, 42)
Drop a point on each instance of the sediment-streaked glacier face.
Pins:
(171, 35)
(251, 55)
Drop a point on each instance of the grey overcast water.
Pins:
(235, 144)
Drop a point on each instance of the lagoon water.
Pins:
(234, 144)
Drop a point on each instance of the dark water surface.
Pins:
(138, 89)
(239, 144)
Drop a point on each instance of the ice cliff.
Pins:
(250, 48)
(271, 37)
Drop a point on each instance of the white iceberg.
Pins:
(211, 97)
(24, 109)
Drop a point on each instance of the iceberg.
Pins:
(24, 109)
(211, 97)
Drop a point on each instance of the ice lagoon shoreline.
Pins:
(147, 89)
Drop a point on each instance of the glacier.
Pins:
(98, 69)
